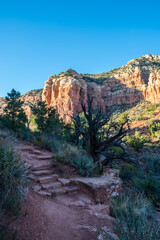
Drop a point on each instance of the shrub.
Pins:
(157, 134)
(32, 123)
(128, 172)
(150, 109)
(131, 201)
(152, 163)
(70, 154)
(68, 151)
(136, 141)
(150, 186)
(25, 134)
(132, 210)
(143, 180)
(84, 165)
(133, 228)
(47, 141)
(116, 150)
(13, 178)
(154, 128)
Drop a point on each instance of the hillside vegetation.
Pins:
(128, 141)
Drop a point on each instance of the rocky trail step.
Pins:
(44, 157)
(44, 193)
(40, 166)
(45, 172)
(48, 183)
(48, 179)
(65, 190)
(87, 197)
(52, 185)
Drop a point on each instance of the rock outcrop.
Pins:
(138, 80)
(30, 98)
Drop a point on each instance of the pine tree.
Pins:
(14, 115)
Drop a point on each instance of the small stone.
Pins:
(64, 181)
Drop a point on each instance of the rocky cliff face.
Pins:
(31, 98)
(138, 80)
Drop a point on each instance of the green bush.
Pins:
(136, 141)
(131, 201)
(13, 178)
(67, 153)
(150, 109)
(150, 186)
(152, 163)
(116, 150)
(70, 154)
(132, 211)
(144, 180)
(84, 165)
(24, 134)
(128, 172)
(153, 128)
(47, 141)
(133, 228)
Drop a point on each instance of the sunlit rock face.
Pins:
(138, 80)
(30, 99)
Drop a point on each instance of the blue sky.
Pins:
(43, 38)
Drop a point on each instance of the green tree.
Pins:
(40, 111)
(48, 121)
(14, 115)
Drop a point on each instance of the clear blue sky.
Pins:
(42, 38)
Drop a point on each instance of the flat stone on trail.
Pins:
(37, 188)
(51, 185)
(67, 190)
(64, 181)
(43, 166)
(43, 172)
(44, 193)
(47, 179)
(38, 152)
(101, 208)
(44, 157)
(26, 148)
(100, 188)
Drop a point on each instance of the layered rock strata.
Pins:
(138, 80)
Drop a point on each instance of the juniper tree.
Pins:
(98, 132)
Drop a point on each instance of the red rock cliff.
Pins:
(139, 79)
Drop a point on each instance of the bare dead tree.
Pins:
(98, 137)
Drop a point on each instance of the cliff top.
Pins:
(146, 62)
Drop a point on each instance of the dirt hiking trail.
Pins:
(56, 207)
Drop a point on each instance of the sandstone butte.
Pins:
(129, 84)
